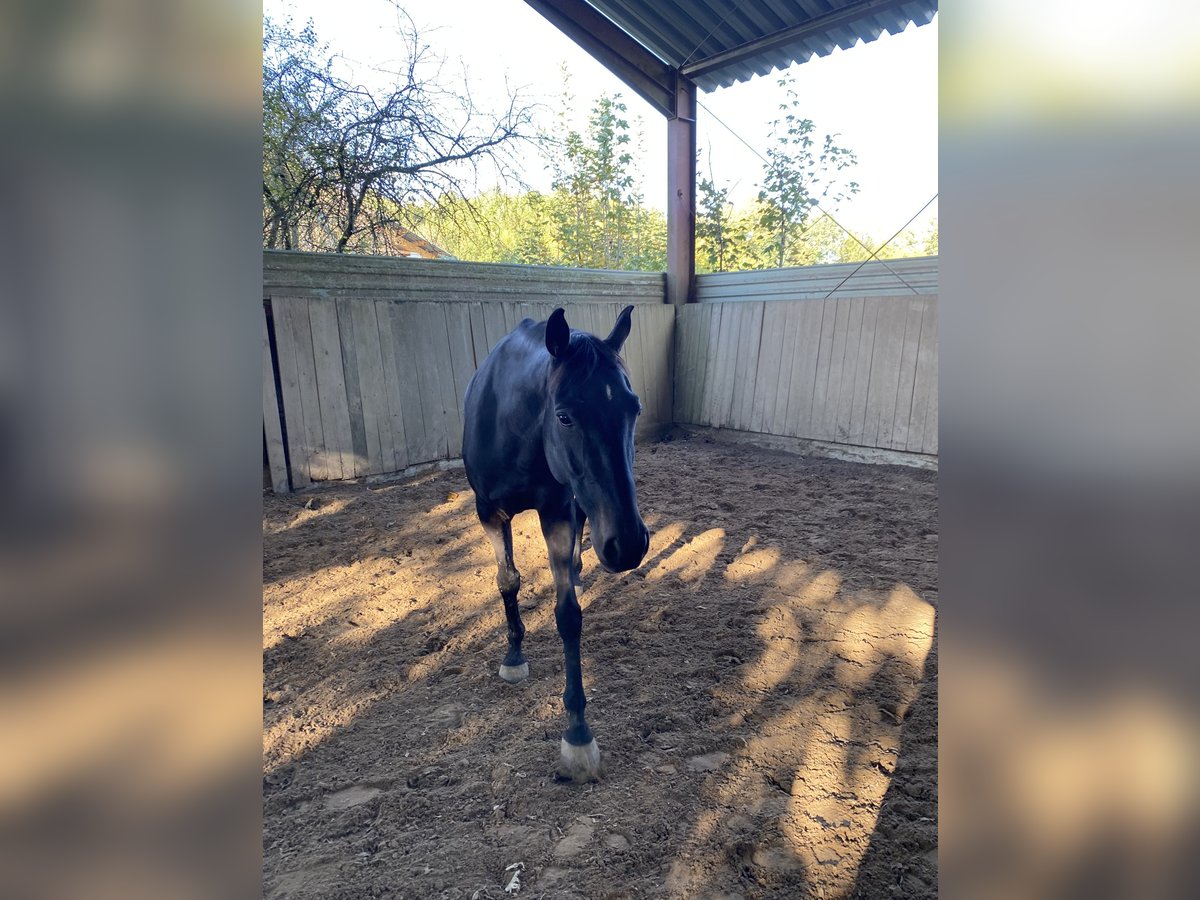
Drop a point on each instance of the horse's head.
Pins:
(588, 436)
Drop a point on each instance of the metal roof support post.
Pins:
(681, 195)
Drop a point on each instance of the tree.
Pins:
(596, 206)
(797, 177)
(341, 163)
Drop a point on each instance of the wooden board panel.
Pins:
(272, 427)
(746, 367)
(862, 370)
(825, 426)
(729, 340)
(478, 334)
(494, 327)
(663, 353)
(434, 378)
(885, 372)
(712, 365)
(634, 352)
(766, 379)
(845, 401)
(394, 424)
(462, 366)
(775, 411)
(898, 439)
(684, 374)
(289, 392)
(896, 277)
(381, 454)
(922, 432)
(816, 422)
(420, 442)
(306, 438)
(331, 388)
(798, 421)
(350, 373)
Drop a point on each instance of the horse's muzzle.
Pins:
(620, 553)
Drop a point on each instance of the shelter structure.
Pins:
(668, 50)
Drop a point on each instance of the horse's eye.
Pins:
(564, 420)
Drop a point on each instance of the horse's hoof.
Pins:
(515, 674)
(579, 763)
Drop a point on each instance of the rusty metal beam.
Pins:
(681, 195)
(647, 75)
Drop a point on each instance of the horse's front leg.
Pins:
(579, 757)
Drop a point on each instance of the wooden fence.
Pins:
(366, 359)
(894, 276)
(371, 373)
(848, 370)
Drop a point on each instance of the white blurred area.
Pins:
(1070, 466)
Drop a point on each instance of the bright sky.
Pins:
(880, 97)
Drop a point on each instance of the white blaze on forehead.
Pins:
(608, 390)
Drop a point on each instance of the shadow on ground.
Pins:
(763, 688)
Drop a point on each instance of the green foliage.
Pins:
(798, 175)
(593, 217)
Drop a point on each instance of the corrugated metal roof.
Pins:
(719, 42)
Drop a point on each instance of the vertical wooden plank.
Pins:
(775, 412)
(712, 374)
(360, 458)
(749, 345)
(885, 370)
(433, 377)
(381, 456)
(493, 318)
(898, 439)
(462, 367)
(664, 360)
(685, 375)
(272, 427)
(419, 446)
(922, 433)
(479, 334)
(331, 387)
(816, 429)
(862, 371)
(731, 338)
(635, 358)
(684, 371)
(394, 424)
(289, 383)
(697, 321)
(315, 451)
(826, 427)
(514, 314)
(849, 368)
(804, 369)
(766, 382)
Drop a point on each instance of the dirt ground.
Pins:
(763, 689)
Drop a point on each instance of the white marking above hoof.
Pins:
(515, 674)
(579, 763)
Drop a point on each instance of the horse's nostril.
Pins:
(612, 549)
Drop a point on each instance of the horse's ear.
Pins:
(558, 334)
(616, 338)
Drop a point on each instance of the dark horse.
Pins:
(549, 426)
